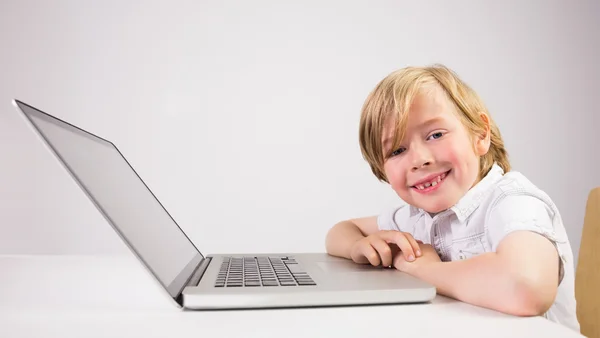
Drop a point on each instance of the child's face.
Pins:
(438, 161)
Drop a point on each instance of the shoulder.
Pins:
(517, 193)
(515, 203)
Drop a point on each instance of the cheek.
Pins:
(395, 174)
(462, 157)
(454, 151)
(455, 156)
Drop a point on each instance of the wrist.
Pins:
(423, 271)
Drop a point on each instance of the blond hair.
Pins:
(390, 101)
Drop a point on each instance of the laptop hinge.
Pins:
(195, 279)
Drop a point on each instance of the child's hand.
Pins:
(376, 248)
(429, 255)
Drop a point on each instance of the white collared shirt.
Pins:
(498, 205)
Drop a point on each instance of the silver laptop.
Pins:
(204, 282)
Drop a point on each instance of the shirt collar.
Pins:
(471, 200)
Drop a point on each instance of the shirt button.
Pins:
(461, 255)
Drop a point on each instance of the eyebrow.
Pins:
(429, 122)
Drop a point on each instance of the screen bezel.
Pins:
(175, 288)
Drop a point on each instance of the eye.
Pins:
(397, 152)
(435, 135)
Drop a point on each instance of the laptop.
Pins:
(197, 281)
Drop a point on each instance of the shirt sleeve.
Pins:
(523, 212)
(396, 218)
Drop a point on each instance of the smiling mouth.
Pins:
(432, 183)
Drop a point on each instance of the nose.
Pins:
(421, 157)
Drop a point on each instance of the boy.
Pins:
(477, 231)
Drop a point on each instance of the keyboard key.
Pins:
(306, 283)
(261, 271)
(295, 268)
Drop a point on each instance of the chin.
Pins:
(425, 202)
(434, 209)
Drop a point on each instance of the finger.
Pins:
(402, 242)
(415, 244)
(358, 257)
(384, 251)
(395, 250)
(371, 254)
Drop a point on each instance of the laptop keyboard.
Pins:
(261, 272)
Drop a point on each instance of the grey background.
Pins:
(242, 116)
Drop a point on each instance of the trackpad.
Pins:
(347, 266)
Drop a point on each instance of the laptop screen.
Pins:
(123, 199)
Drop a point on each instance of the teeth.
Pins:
(433, 182)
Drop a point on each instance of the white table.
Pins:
(112, 296)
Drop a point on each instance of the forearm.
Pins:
(485, 281)
(341, 237)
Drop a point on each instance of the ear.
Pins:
(482, 141)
